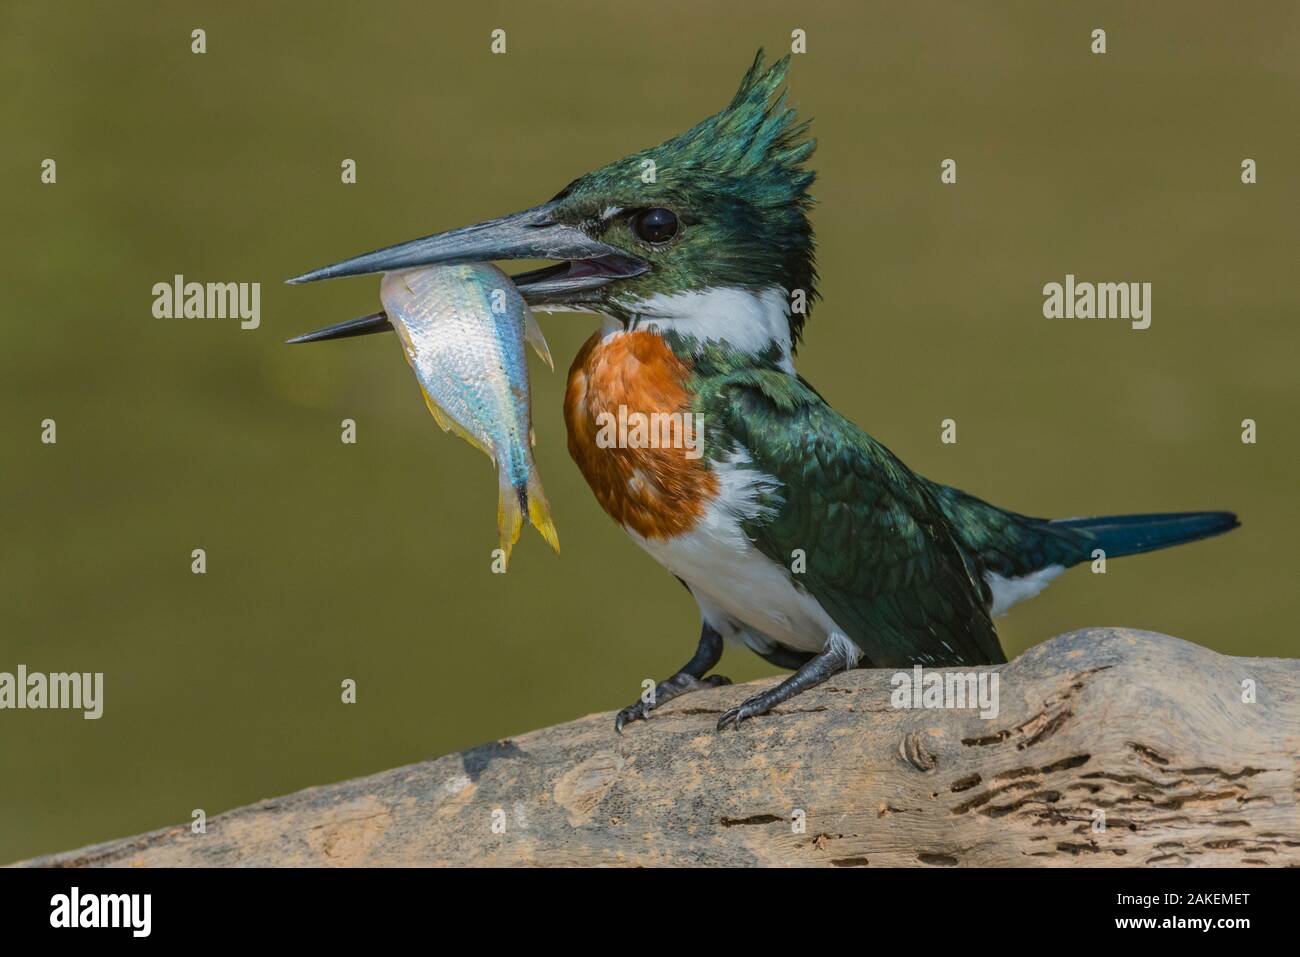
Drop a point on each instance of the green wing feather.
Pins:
(881, 557)
(1006, 542)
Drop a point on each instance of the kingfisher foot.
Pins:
(749, 708)
(689, 678)
(753, 707)
(830, 661)
(676, 686)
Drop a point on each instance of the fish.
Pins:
(463, 330)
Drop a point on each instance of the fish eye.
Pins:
(655, 225)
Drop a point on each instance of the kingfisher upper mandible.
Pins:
(799, 535)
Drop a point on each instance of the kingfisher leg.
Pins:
(827, 663)
(689, 678)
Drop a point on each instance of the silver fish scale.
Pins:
(469, 359)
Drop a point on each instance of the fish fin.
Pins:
(449, 425)
(510, 515)
(533, 333)
(539, 511)
(438, 415)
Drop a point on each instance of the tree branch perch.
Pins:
(1141, 732)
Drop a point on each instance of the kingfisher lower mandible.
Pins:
(799, 535)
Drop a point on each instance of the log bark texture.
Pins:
(1111, 747)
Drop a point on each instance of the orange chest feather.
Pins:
(656, 489)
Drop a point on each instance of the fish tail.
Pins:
(510, 514)
(539, 510)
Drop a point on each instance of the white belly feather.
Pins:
(738, 587)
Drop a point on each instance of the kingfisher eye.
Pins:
(657, 225)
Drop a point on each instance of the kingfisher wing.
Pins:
(881, 558)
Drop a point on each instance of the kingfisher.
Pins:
(799, 535)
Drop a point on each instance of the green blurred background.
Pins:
(328, 561)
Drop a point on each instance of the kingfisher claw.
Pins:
(748, 709)
(829, 661)
(633, 712)
(679, 684)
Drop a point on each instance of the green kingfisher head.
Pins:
(705, 236)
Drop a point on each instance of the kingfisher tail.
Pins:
(1118, 535)
(1013, 545)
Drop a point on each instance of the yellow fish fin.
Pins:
(438, 415)
(510, 516)
(534, 337)
(539, 511)
(449, 425)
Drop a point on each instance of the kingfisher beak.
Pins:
(585, 265)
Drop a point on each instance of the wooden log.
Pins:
(1110, 747)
